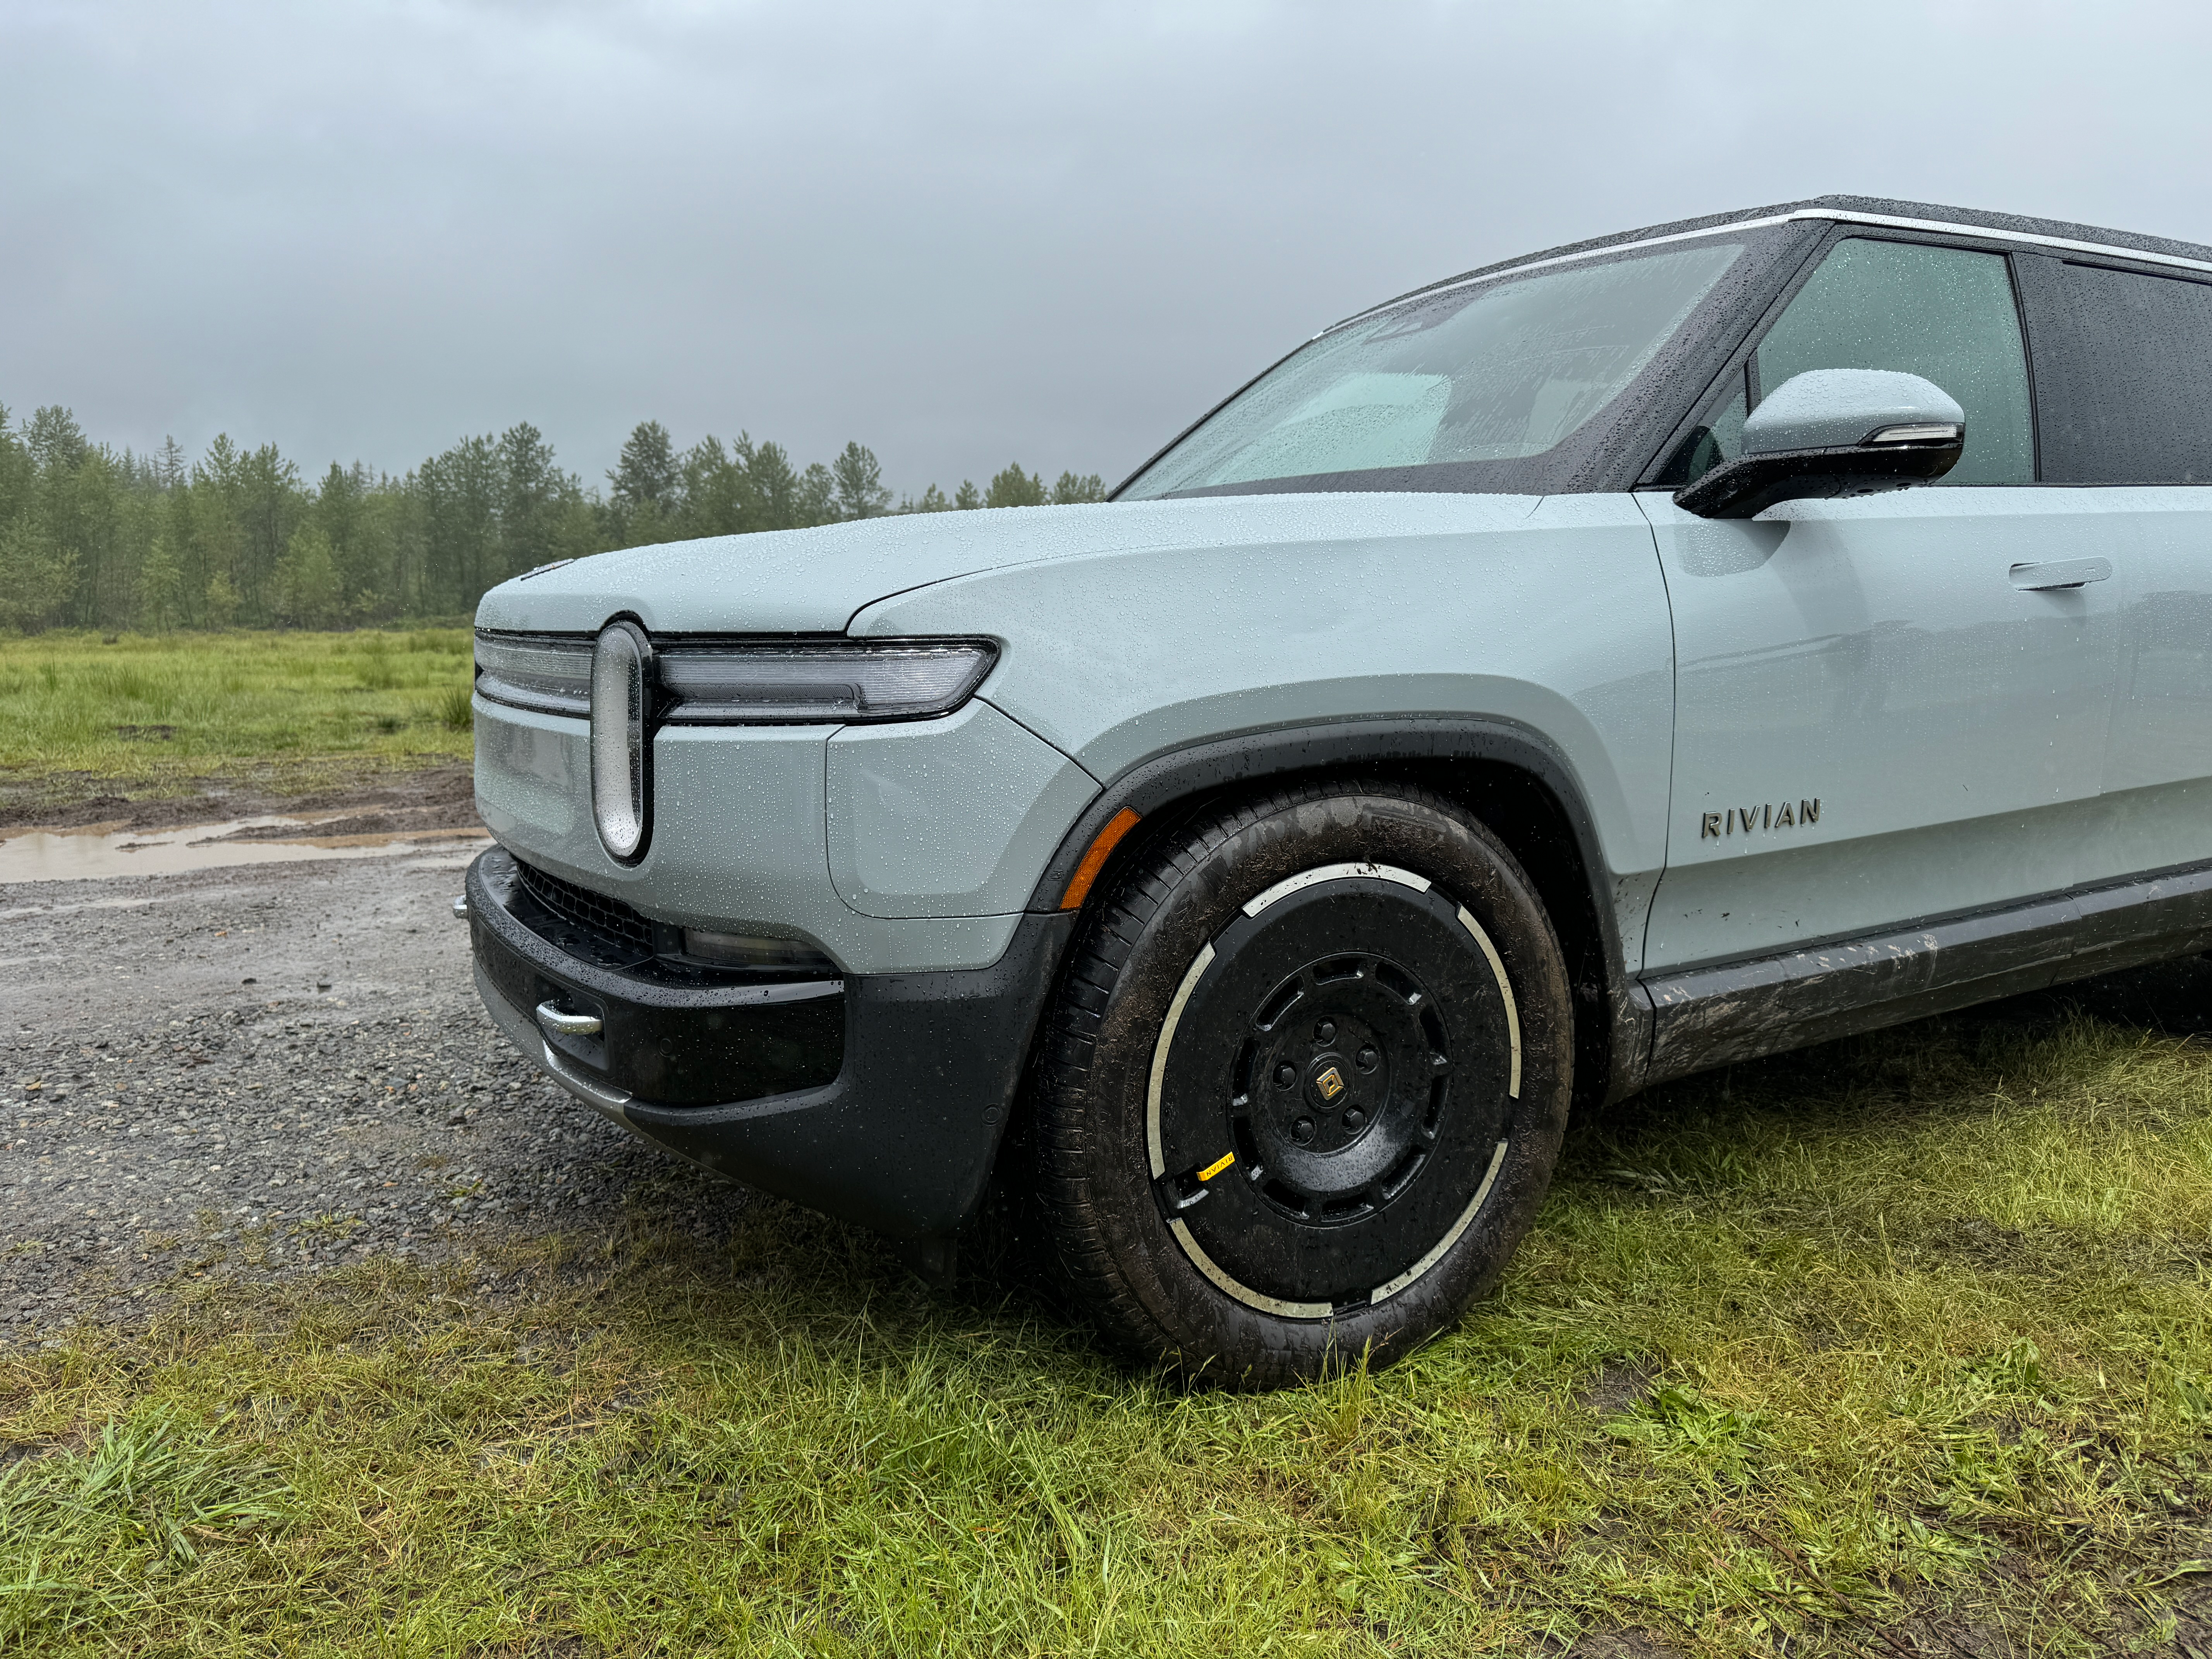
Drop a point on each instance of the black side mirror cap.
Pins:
(1832, 432)
(1743, 487)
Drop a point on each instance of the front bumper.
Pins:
(878, 1098)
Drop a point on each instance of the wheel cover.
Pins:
(1332, 1089)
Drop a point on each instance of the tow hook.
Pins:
(559, 1022)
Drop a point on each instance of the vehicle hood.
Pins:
(815, 582)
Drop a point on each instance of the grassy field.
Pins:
(1901, 1346)
(294, 711)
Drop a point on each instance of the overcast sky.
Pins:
(961, 234)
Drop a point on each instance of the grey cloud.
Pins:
(962, 233)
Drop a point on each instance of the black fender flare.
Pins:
(1437, 743)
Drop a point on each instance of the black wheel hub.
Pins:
(1342, 1078)
(1332, 1092)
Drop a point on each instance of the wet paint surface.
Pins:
(98, 851)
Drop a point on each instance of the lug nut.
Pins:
(1285, 1076)
(1367, 1059)
(1303, 1130)
(1325, 1031)
(1354, 1117)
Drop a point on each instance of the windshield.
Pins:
(1419, 394)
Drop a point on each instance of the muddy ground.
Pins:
(203, 1062)
(440, 796)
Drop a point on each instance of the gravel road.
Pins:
(214, 1059)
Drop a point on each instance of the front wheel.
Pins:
(1306, 1086)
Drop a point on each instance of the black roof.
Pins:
(1975, 218)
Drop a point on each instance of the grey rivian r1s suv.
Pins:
(1616, 662)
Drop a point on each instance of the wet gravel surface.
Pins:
(274, 1070)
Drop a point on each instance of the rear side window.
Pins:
(2126, 378)
(1946, 315)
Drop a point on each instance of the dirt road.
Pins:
(271, 1069)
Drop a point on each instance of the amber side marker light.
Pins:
(1078, 885)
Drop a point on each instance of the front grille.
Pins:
(609, 918)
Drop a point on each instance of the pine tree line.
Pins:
(95, 536)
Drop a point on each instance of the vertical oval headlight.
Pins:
(621, 674)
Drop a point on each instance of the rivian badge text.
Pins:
(1768, 815)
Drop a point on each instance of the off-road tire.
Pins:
(1099, 1115)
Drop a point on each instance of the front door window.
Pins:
(1946, 315)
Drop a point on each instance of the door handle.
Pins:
(2060, 573)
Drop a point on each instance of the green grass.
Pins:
(301, 709)
(1908, 1335)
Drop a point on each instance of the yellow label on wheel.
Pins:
(1217, 1166)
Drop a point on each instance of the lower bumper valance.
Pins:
(886, 1094)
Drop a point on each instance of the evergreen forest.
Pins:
(95, 536)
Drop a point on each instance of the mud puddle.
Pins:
(97, 851)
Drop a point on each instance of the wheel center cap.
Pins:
(1329, 1081)
(1341, 1092)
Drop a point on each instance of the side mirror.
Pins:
(1834, 432)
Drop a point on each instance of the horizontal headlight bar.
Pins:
(748, 682)
(808, 683)
(551, 675)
